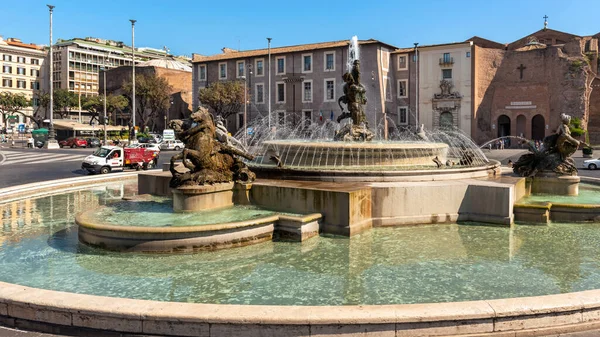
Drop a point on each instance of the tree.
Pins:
(224, 98)
(64, 101)
(152, 97)
(11, 104)
(575, 127)
(95, 105)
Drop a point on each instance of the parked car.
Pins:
(172, 145)
(157, 137)
(591, 164)
(73, 142)
(93, 142)
(147, 140)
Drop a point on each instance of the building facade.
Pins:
(77, 64)
(306, 80)
(22, 73)
(177, 74)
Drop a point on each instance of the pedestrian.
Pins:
(501, 144)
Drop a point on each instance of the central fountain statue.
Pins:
(355, 97)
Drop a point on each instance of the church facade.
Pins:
(521, 89)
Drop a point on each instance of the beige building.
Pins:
(445, 86)
(22, 73)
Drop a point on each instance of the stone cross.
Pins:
(545, 21)
(521, 68)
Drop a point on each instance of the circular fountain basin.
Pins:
(364, 284)
(330, 155)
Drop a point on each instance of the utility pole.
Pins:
(269, 39)
(134, 140)
(51, 143)
(417, 87)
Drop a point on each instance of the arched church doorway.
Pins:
(445, 120)
(521, 120)
(538, 127)
(503, 126)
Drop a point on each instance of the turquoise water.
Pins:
(158, 212)
(588, 194)
(433, 263)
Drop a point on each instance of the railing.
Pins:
(446, 61)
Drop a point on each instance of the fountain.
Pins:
(264, 220)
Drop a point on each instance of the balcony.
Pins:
(446, 61)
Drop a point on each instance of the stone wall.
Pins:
(554, 81)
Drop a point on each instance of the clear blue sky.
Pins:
(204, 27)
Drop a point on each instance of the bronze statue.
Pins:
(553, 155)
(209, 157)
(355, 97)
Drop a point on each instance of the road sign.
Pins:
(21, 128)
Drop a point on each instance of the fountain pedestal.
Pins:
(202, 197)
(551, 183)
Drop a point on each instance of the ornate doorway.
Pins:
(503, 126)
(446, 120)
(538, 127)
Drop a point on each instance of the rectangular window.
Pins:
(402, 115)
(260, 67)
(447, 58)
(21, 84)
(280, 65)
(7, 69)
(330, 89)
(35, 85)
(35, 101)
(20, 59)
(222, 71)
(7, 82)
(281, 118)
(446, 74)
(468, 54)
(280, 92)
(35, 61)
(307, 63)
(7, 58)
(402, 64)
(402, 88)
(260, 89)
(307, 97)
(330, 61)
(21, 71)
(240, 120)
(34, 72)
(307, 118)
(241, 69)
(202, 72)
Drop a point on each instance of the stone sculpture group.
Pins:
(210, 154)
(553, 155)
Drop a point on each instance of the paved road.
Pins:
(22, 166)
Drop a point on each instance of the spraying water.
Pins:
(353, 52)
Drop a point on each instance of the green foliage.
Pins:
(224, 98)
(589, 57)
(64, 101)
(575, 127)
(95, 105)
(11, 104)
(587, 150)
(576, 66)
(152, 101)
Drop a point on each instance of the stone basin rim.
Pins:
(112, 312)
(358, 145)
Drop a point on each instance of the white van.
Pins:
(168, 134)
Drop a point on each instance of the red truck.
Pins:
(109, 158)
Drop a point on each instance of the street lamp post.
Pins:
(104, 119)
(245, 107)
(269, 39)
(51, 143)
(133, 78)
(417, 87)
